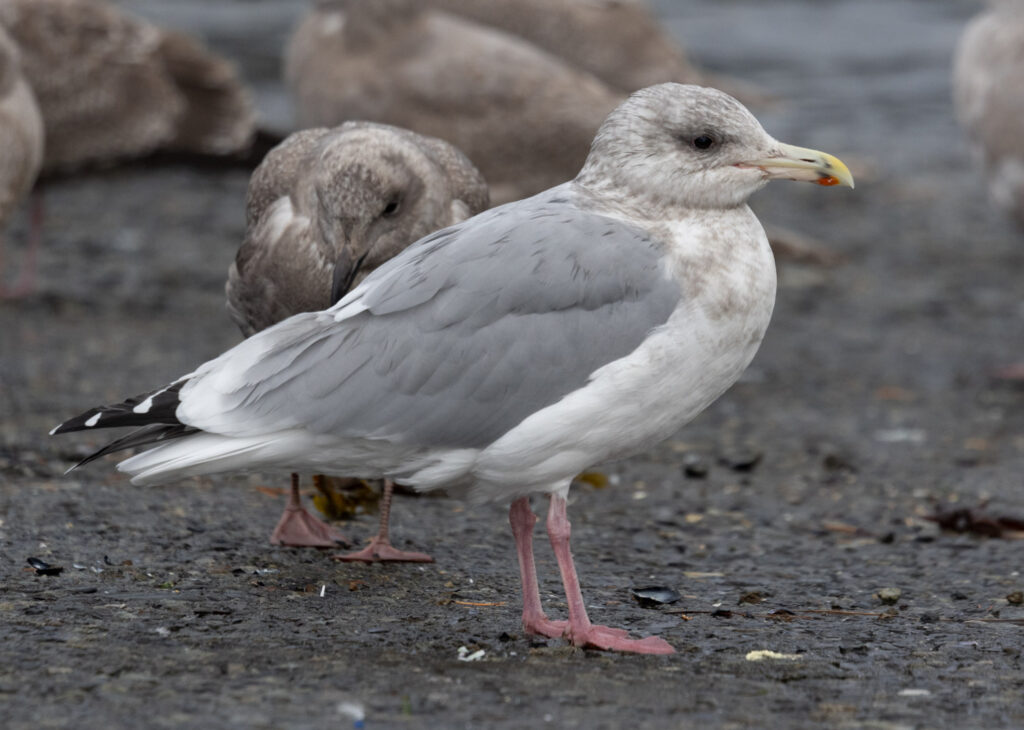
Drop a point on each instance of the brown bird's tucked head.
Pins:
(328, 206)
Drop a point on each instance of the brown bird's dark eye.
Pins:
(703, 142)
(390, 209)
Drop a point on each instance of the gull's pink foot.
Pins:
(299, 528)
(609, 639)
(382, 551)
(543, 626)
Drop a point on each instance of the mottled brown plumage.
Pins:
(328, 198)
(619, 41)
(112, 86)
(325, 208)
(522, 115)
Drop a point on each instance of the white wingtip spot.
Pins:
(145, 405)
(93, 420)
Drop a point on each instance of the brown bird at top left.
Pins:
(21, 139)
(111, 86)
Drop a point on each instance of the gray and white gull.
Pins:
(507, 353)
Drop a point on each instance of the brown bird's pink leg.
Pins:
(522, 519)
(299, 528)
(580, 631)
(1011, 372)
(26, 282)
(380, 548)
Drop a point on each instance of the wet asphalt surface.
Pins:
(870, 406)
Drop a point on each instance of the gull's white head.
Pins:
(686, 146)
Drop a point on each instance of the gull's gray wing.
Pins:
(454, 341)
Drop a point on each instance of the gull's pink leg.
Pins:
(26, 282)
(380, 548)
(298, 528)
(522, 519)
(580, 631)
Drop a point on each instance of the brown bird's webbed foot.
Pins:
(380, 549)
(300, 528)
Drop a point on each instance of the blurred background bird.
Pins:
(21, 142)
(988, 93)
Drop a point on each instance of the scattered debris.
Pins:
(694, 466)
(901, 435)
(913, 692)
(1016, 598)
(742, 459)
(762, 654)
(654, 596)
(355, 711)
(965, 519)
(43, 568)
(466, 656)
(888, 596)
(323, 590)
(595, 479)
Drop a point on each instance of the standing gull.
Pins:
(988, 90)
(21, 142)
(507, 353)
(325, 208)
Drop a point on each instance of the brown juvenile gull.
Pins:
(988, 92)
(621, 42)
(523, 116)
(21, 142)
(507, 353)
(112, 86)
(325, 208)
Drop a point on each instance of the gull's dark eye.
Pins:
(703, 142)
(390, 209)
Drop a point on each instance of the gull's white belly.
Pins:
(680, 369)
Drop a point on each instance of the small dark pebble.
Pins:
(43, 568)
(838, 462)
(743, 460)
(654, 596)
(888, 538)
(751, 597)
(694, 466)
(504, 637)
(83, 589)
(958, 596)
(1016, 598)
(929, 618)
(721, 613)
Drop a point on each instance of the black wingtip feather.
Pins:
(150, 434)
(163, 404)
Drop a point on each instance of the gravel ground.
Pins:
(869, 407)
